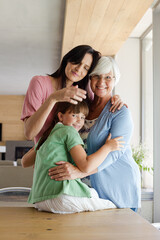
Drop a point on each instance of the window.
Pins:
(147, 106)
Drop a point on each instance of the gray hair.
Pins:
(104, 66)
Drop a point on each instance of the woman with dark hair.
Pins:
(45, 91)
(75, 57)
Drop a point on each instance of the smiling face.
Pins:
(76, 72)
(102, 85)
(75, 120)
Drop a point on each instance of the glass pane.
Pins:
(147, 109)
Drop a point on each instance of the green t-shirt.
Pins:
(56, 148)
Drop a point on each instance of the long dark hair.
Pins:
(63, 107)
(75, 56)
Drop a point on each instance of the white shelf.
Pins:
(146, 194)
(2, 149)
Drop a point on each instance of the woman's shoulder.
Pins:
(40, 79)
(123, 110)
(123, 113)
(42, 84)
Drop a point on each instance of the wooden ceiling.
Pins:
(103, 24)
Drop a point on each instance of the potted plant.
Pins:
(139, 154)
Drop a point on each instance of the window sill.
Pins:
(146, 194)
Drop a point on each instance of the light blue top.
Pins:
(118, 178)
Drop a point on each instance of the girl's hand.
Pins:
(71, 94)
(64, 171)
(115, 143)
(117, 103)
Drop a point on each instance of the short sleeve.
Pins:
(73, 139)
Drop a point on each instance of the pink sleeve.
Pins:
(33, 99)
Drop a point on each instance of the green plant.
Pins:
(139, 154)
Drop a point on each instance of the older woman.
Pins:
(118, 177)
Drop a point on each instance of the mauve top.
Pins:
(40, 88)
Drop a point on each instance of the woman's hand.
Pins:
(115, 143)
(71, 94)
(65, 171)
(34, 123)
(117, 103)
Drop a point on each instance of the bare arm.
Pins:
(89, 163)
(66, 171)
(28, 159)
(34, 123)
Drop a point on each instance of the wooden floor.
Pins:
(21, 223)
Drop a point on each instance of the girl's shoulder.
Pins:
(65, 133)
(59, 127)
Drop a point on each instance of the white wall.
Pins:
(128, 59)
(30, 43)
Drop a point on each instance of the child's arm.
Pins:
(28, 159)
(89, 163)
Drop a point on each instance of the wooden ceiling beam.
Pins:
(103, 24)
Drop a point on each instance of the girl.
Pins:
(64, 142)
